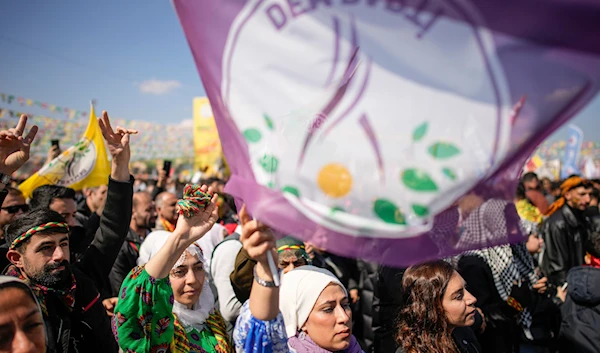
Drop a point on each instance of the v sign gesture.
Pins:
(118, 147)
(14, 147)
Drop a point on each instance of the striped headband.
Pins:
(290, 247)
(23, 237)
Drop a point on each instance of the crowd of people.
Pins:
(133, 266)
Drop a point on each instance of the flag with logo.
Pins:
(572, 150)
(389, 130)
(83, 165)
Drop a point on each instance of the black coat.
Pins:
(502, 332)
(387, 300)
(580, 329)
(87, 326)
(564, 234)
(125, 262)
(364, 323)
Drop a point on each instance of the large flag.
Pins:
(572, 150)
(207, 147)
(362, 125)
(83, 165)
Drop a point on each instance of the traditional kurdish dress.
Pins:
(145, 321)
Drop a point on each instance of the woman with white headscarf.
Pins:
(313, 316)
(167, 305)
(20, 318)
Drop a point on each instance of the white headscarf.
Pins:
(201, 310)
(300, 289)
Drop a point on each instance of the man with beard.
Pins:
(143, 218)
(566, 230)
(73, 314)
(74, 317)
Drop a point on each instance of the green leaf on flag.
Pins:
(418, 180)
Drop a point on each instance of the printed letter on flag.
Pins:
(390, 132)
(83, 165)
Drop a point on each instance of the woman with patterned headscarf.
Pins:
(167, 305)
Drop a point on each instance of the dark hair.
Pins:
(520, 193)
(230, 201)
(527, 177)
(422, 323)
(596, 181)
(26, 221)
(556, 185)
(44, 195)
(592, 245)
(595, 194)
(214, 180)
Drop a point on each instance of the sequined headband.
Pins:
(23, 237)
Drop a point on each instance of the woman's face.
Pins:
(187, 280)
(329, 324)
(458, 303)
(534, 244)
(21, 323)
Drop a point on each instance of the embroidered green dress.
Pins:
(145, 321)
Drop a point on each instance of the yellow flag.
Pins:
(84, 165)
(207, 146)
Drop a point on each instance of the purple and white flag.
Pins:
(390, 130)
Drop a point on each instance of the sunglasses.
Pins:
(14, 209)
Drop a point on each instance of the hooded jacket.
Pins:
(580, 329)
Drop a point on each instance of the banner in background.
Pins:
(572, 150)
(366, 133)
(83, 165)
(207, 147)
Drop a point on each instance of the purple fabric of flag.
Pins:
(391, 130)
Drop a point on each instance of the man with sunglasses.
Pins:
(13, 205)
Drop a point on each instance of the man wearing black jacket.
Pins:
(565, 230)
(143, 219)
(75, 319)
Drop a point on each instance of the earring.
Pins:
(302, 335)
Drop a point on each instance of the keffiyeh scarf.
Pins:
(509, 264)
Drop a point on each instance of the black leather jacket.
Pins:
(564, 234)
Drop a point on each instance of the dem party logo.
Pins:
(402, 102)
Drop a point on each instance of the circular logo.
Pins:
(370, 116)
(73, 165)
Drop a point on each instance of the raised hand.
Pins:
(14, 147)
(118, 147)
(116, 141)
(53, 152)
(195, 227)
(256, 238)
